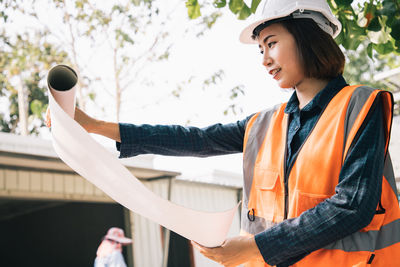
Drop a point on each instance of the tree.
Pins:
(132, 35)
(377, 21)
(361, 69)
(136, 33)
(126, 27)
(23, 64)
(370, 34)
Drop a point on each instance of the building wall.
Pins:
(209, 198)
(147, 236)
(394, 149)
(148, 239)
(19, 183)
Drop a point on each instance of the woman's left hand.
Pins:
(233, 252)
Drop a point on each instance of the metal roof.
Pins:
(394, 148)
(392, 79)
(31, 152)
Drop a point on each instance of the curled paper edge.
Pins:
(94, 163)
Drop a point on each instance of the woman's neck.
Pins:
(307, 89)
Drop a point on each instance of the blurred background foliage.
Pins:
(136, 34)
(370, 36)
(370, 40)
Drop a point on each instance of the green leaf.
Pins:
(374, 25)
(384, 49)
(79, 4)
(343, 3)
(219, 3)
(245, 12)
(395, 33)
(369, 50)
(340, 38)
(92, 96)
(236, 6)
(254, 5)
(193, 7)
(36, 107)
(136, 2)
(397, 44)
(352, 34)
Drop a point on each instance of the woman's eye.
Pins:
(271, 44)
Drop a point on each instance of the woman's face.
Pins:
(280, 56)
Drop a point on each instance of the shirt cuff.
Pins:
(126, 146)
(262, 244)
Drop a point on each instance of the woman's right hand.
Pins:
(48, 118)
(87, 122)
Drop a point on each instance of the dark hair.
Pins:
(319, 54)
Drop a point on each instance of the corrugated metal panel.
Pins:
(2, 180)
(48, 185)
(147, 238)
(206, 198)
(394, 148)
(147, 234)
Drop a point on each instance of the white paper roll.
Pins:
(93, 162)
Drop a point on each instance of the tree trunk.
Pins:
(80, 85)
(117, 86)
(22, 109)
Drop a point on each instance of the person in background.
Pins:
(109, 253)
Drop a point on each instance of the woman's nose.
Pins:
(267, 60)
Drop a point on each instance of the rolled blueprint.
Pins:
(94, 163)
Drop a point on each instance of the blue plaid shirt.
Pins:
(349, 210)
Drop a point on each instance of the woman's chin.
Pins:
(285, 85)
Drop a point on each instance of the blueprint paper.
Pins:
(93, 162)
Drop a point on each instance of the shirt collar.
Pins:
(321, 99)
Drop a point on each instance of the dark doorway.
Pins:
(180, 251)
(54, 233)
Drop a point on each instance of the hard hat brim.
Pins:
(246, 34)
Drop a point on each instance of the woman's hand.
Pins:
(85, 120)
(48, 118)
(233, 252)
(81, 117)
(91, 125)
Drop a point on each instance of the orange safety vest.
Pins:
(266, 201)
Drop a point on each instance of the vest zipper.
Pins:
(285, 179)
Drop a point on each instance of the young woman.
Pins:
(319, 188)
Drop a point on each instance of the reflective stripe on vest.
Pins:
(332, 138)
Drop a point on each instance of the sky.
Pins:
(219, 48)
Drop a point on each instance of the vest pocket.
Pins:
(306, 201)
(263, 194)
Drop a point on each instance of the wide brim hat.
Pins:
(118, 235)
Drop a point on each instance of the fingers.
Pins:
(210, 253)
(199, 247)
(48, 118)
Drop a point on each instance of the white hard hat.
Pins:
(268, 10)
